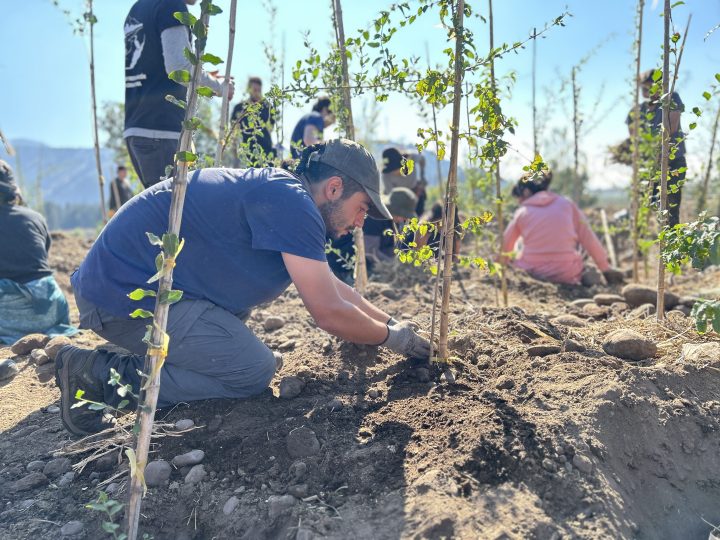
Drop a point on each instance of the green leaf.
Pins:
(204, 91)
(181, 76)
(190, 56)
(185, 17)
(186, 157)
(212, 59)
(200, 30)
(96, 406)
(697, 111)
(657, 75)
(214, 10)
(170, 244)
(717, 77)
(139, 294)
(707, 95)
(175, 101)
(676, 4)
(693, 125)
(124, 403)
(154, 240)
(141, 314)
(170, 297)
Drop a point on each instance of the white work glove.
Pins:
(403, 338)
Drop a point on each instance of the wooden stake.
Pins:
(451, 197)
(226, 87)
(577, 191)
(608, 238)
(358, 237)
(702, 198)
(96, 138)
(498, 184)
(635, 188)
(437, 143)
(534, 108)
(150, 381)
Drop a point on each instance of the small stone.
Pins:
(71, 528)
(193, 457)
(326, 346)
(298, 470)
(549, 465)
(543, 350)
(582, 463)
(335, 404)
(32, 480)
(239, 490)
(291, 387)
(157, 473)
(196, 475)
(595, 311)
(619, 307)
(392, 294)
(699, 353)
(642, 312)
(629, 345)
(423, 374)
(607, 299)
(66, 479)
(569, 320)
(570, 345)
(54, 345)
(581, 302)
(302, 442)
(107, 462)
(287, 345)
(278, 361)
(40, 357)
(26, 344)
(591, 277)
(185, 423)
(505, 384)
(8, 369)
(35, 466)
(683, 310)
(373, 393)
(279, 504)
(215, 423)
(637, 295)
(230, 505)
(53, 409)
(56, 467)
(111, 488)
(298, 490)
(273, 323)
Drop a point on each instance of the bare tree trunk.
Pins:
(577, 192)
(358, 237)
(226, 87)
(664, 156)
(451, 197)
(96, 138)
(635, 195)
(157, 349)
(534, 81)
(702, 198)
(498, 184)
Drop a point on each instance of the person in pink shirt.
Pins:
(551, 227)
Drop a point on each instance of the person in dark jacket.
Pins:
(255, 119)
(120, 190)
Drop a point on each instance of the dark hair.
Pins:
(316, 172)
(121, 168)
(647, 76)
(254, 80)
(392, 160)
(534, 181)
(321, 103)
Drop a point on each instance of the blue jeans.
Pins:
(150, 157)
(212, 353)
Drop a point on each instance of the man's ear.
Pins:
(334, 188)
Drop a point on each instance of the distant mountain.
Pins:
(65, 175)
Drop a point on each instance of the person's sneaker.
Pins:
(73, 372)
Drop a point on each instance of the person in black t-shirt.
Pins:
(120, 190)
(30, 299)
(154, 47)
(255, 120)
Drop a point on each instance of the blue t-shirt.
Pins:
(311, 119)
(146, 81)
(236, 223)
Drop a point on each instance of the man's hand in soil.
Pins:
(614, 276)
(404, 339)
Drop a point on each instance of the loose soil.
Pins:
(567, 445)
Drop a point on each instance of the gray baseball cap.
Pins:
(353, 160)
(402, 203)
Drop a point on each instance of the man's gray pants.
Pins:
(212, 353)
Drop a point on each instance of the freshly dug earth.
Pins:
(370, 445)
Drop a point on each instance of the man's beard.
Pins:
(330, 212)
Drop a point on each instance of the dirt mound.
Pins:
(566, 445)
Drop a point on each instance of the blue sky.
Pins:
(46, 94)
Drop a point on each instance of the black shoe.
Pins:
(73, 372)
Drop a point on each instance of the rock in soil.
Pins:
(8, 369)
(637, 295)
(682, 309)
(30, 481)
(291, 387)
(699, 353)
(607, 299)
(543, 350)
(55, 344)
(569, 320)
(66, 479)
(157, 473)
(25, 345)
(335, 404)
(298, 490)
(619, 307)
(107, 462)
(298, 470)
(629, 345)
(71, 528)
(40, 357)
(185, 423)
(193, 457)
(230, 505)
(36, 465)
(302, 442)
(56, 467)
(642, 312)
(196, 475)
(278, 361)
(505, 384)
(570, 345)
(595, 311)
(581, 302)
(582, 463)
(273, 323)
(53, 409)
(279, 504)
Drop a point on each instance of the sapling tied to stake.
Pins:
(635, 141)
(156, 338)
(227, 81)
